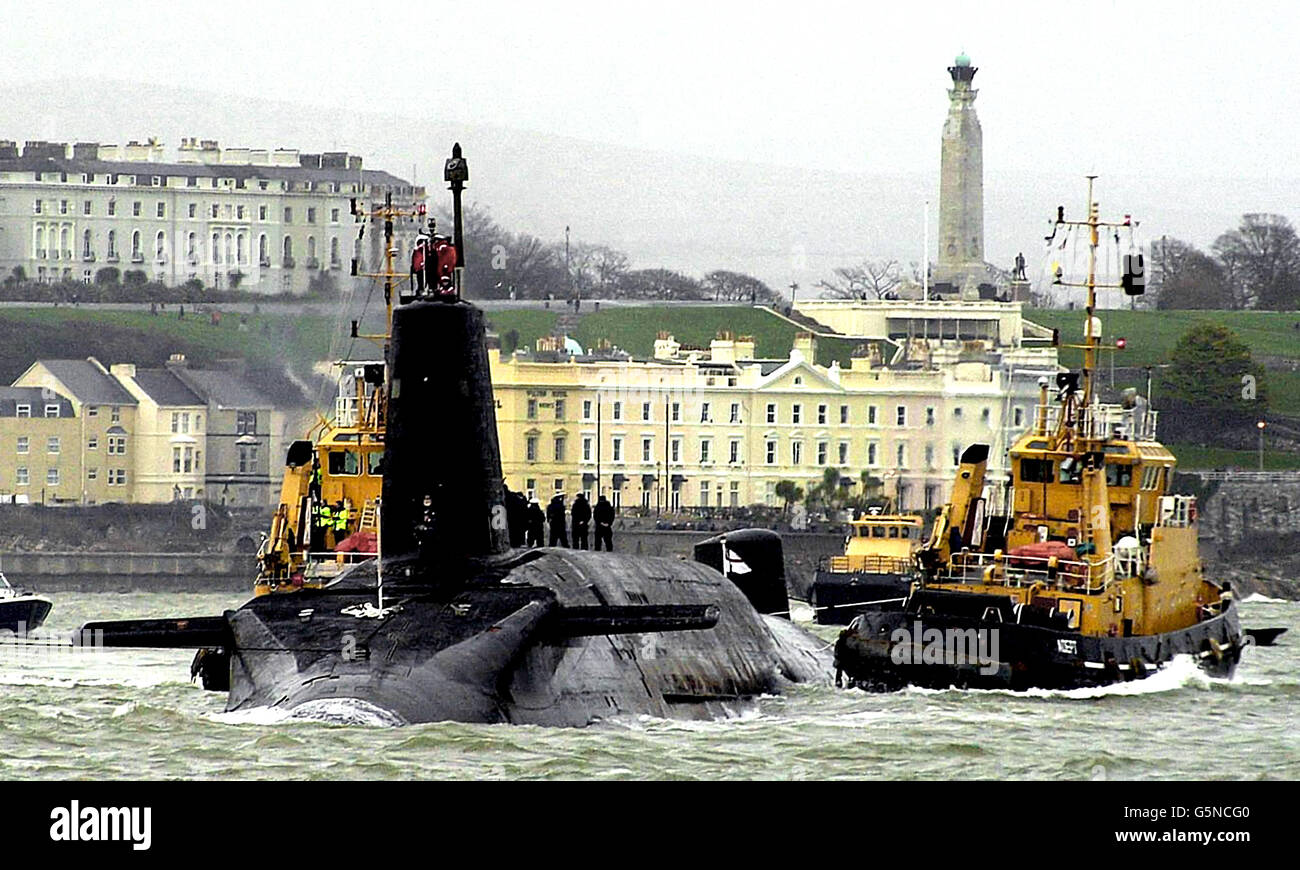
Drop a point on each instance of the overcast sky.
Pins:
(1176, 88)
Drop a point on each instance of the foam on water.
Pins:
(1179, 673)
(1261, 598)
(330, 711)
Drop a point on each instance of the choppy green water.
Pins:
(116, 714)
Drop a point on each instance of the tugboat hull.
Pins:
(889, 650)
(837, 597)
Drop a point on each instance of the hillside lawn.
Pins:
(275, 340)
(272, 343)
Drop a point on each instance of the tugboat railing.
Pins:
(865, 564)
(1104, 422)
(1000, 568)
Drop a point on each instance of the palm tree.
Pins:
(790, 492)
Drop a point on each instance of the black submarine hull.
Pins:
(888, 650)
(506, 648)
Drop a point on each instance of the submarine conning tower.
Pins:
(442, 492)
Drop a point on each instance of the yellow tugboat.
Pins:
(1092, 578)
(875, 571)
(328, 518)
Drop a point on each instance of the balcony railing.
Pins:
(264, 262)
(112, 257)
(288, 262)
(137, 257)
(88, 257)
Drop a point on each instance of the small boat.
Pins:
(875, 571)
(1090, 576)
(21, 611)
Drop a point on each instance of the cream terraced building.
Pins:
(270, 221)
(720, 427)
(77, 432)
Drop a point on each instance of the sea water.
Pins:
(104, 714)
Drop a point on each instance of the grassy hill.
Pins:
(634, 328)
(1272, 336)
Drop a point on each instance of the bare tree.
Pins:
(1262, 261)
(1184, 277)
(597, 268)
(737, 287)
(869, 279)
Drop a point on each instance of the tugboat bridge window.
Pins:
(1071, 472)
(1036, 470)
(345, 462)
(1119, 475)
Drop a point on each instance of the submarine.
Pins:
(449, 623)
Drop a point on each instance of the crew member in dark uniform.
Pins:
(557, 521)
(536, 523)
(604, 516)
(516, 516)
(581, 521)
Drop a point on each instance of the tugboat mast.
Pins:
(1091, 344)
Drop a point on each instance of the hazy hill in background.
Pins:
(693, 214)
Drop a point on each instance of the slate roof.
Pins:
(38, 398)
(145, 169)
(165, 388)
(87, 383)
(224, 389)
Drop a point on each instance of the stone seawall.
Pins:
(1249, 528)
(124, 572)
(167, 572)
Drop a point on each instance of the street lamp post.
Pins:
(1261, 426)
